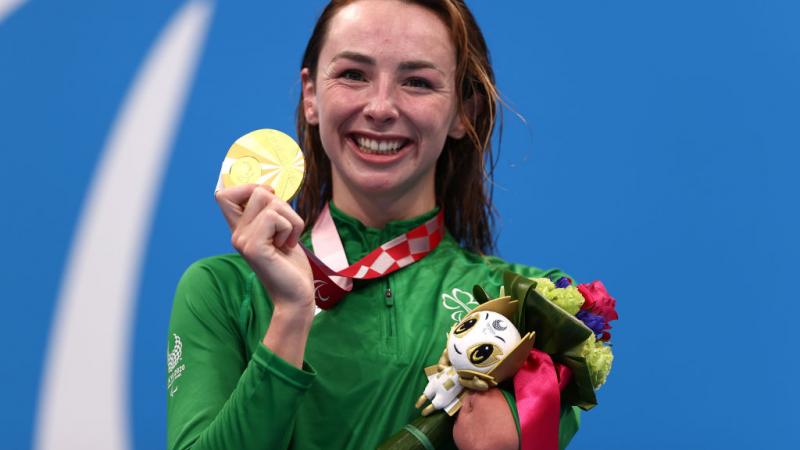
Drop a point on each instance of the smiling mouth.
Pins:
(379, 146)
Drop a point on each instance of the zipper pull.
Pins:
(388, 298)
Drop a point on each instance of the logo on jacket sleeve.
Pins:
(174, 366)
(460, 302)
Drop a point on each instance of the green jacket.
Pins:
(364, 359)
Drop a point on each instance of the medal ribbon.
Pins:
(333, 278)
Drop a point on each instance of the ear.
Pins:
(309, 97)
(472, 107)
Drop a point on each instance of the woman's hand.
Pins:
(265, 231)
(485, 421)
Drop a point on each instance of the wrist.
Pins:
(293, 314)
(287, 333)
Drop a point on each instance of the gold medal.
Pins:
(266, 157)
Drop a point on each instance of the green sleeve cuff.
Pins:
(277, 366)
(512, 405)
(568, 425)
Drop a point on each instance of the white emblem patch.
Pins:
(461, 302)
(174, 366)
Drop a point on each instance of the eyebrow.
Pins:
(354, 56)
(405, 66)
(414, 65)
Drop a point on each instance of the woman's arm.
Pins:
(265, 231)
(218, 395)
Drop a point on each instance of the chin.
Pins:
(377, 185)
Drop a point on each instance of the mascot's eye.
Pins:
(499, 325)
(485, 355)
(481, 353)
(465, 325)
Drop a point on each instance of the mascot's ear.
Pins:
(480, 295)
(503, 305)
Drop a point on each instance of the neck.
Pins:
(376, 209)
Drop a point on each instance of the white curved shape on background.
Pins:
(8, 6)
(83, 402)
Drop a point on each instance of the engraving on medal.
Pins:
(245, 170)
(266, 157)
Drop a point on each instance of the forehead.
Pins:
(389, 29)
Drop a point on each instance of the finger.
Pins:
(286, 211)
(259, 199)
(428, 410)
(420, 401)
(232, 200)
(239, 194)
(271, 226)
(283, 229)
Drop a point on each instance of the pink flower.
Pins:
(599, 301)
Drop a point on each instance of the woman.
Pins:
(396, 113)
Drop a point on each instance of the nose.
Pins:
(381, 107)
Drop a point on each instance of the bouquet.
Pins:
(557, 353)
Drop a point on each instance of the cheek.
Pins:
(434, 119)
(437, 110)
(335, 106)
(460, 362)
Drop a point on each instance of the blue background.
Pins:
(659, 155)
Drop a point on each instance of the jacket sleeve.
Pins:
(218, 396)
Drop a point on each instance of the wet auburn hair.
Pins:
(465, 168)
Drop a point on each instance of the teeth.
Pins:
(380, 147)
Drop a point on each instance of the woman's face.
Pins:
(384, 97)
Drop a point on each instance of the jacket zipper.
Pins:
(388, 300)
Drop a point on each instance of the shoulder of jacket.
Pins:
(228, 263)
(226, 275)
(500, 265)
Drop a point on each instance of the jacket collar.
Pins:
(359, 239)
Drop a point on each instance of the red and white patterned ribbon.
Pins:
(333, 278)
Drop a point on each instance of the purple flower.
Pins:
(593, 321)
(599, 301)
(563, 282)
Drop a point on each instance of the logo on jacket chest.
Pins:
(460, 302)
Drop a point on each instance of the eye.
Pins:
(465, 325)
(420, 83)
(483, 355)
(352, 75)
